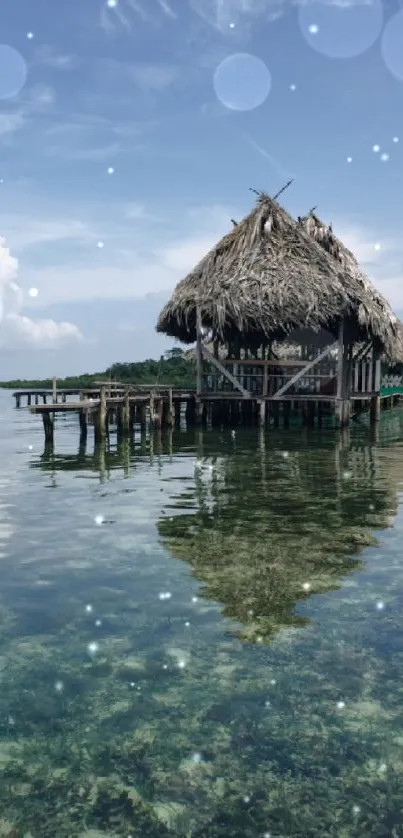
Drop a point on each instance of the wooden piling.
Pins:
(152, 408)
(191, 412)
(48, 426)
(375, 409)
(54, 390)
(100, 418)
(143, 415)
(177, 411)
(126, 416)
(83, 424)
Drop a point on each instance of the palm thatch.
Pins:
(268, 277)
(373, 309)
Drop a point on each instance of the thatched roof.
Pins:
(269, 276)
(373, 307)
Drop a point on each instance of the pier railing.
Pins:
(266, 378)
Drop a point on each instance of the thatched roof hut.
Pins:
(269, 276)
(373, 307)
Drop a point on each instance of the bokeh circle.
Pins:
(13, 72)
(242, 82)
(392, 45)
(342, 30)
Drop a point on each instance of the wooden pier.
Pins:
(124, 407)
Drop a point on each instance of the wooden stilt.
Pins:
(310, 414)
(48, 426)
(190, 412)
(375, 409)
(100, 418)
(126, 416)
(83, 424)
(158, 413)
(262, 412)
(152, 409)
(199, 412)
(177, 412)
(143, 415)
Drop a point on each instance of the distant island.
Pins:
(172, 368)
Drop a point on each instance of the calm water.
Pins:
(200, 637)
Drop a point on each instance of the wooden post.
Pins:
(100, 417)
(375, 409)
(341, 407)
(83, 424)
(119, 420)
(152, 408)
(126, 415)
(143, 415)
(190, 412)
(54, 390)
(48, 426)
(340, 361)
(132, 418)
(199, 352)
(177, 409)
(262, 412)
(265, 379)
(158, 413)
(168, 415)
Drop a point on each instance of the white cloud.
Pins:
(10, 122)
(167, 9)
(17, 330)
(126, 12)
(47, 56)
(64, 149)
(220, 13)
(39, 97)
(379, 256)
(23, 231)
(148, 76)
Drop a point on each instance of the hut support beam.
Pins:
(302, 372)
(234, 381)
(363, 352)
(199, 352)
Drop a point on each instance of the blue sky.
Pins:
(190, 104)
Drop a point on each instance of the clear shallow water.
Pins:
(198, 637)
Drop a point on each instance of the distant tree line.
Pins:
(172, 368)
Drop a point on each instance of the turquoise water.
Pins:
(200, 636)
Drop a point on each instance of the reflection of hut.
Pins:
(270, 530)
(269, 280)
